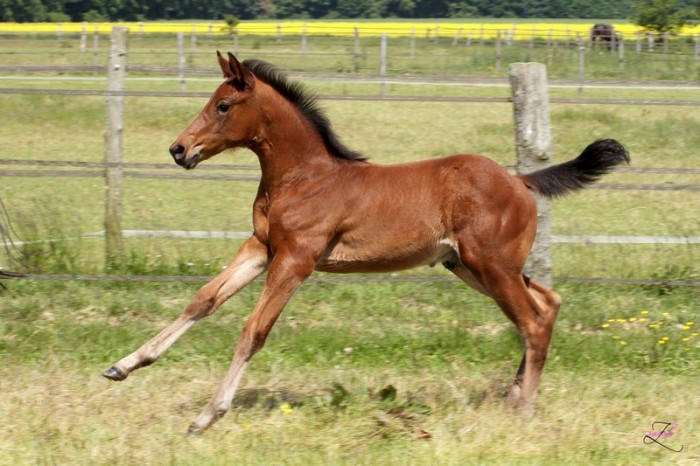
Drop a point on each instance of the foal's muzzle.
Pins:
(179, 153)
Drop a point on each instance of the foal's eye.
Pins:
(223, 107)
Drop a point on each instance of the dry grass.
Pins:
(61, 414)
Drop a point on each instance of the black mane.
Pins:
(306, 103)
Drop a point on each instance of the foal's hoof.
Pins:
(114, 373)
(194, 430)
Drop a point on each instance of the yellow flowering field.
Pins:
(487, 30)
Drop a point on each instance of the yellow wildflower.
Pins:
(605, 325)
(611, 320)
(644, 313)
(686, 327)
(616, 337)
(690, 324)
(662, 342)
(632, 319)
(686, 339)
(665, 338)
(622, 321)
(623, 342)
(643, 319)
(286, 408)
(695, 334)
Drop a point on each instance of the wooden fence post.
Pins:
(181, 61)
(533, 143)
(304, 46)
(621, 52)
(581, 63)
(83, 37)
(96, 51)
(498, 52)
(114, 126)
(412, 42)
(383, 64)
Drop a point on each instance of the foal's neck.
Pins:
(289, 148)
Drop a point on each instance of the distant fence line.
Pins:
(499, 45)
(116, 164)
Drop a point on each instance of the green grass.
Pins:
(347, 377)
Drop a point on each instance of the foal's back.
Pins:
(401, 216)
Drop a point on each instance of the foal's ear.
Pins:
(235, 72)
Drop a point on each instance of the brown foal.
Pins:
(322, 206)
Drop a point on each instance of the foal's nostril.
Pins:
(177, 151)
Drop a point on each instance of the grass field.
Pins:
(353, 373)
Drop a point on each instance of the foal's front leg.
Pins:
(250, 261)
(287, 272)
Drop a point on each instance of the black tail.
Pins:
(595, 161)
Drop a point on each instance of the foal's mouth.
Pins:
(190, 163)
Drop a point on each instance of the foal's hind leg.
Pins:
(250, 261)
(532, 308)
(548, 303)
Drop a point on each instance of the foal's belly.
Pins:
(346, 258)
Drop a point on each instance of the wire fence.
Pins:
(54, 169)
(447, 50)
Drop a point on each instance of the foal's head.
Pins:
(228, 120)
(240, 111)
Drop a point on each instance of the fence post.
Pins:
(639, 42)
(83, 37)
(533, 143)
(114, 126)
(581, 61)
(412, 42)
(181, 60)
(96, 51)
(498, 52)
(382, 64)
(458, 35)
(193, 40)
(621, 52)
(303, 40)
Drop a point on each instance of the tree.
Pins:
(661, 15)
